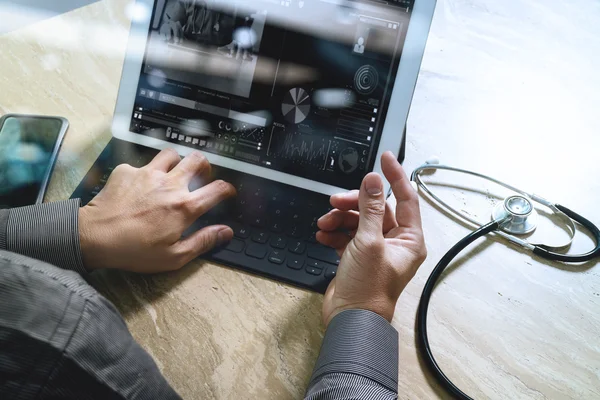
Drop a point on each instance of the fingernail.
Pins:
(322, 218)
(224, 236)
(373, 184)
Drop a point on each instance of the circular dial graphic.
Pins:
(366, 79)
(296, 105)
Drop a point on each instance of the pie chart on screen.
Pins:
(296, 105)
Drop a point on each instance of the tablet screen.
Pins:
(298, 86)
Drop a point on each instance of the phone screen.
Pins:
(27, 155)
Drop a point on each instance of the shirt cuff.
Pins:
(3, 223)
(47, 232)
(363, 343)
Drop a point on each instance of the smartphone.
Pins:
(29, 146)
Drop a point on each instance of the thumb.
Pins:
(205, 240)
(371, 203)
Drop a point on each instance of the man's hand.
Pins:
(173, 21)
(136, 222)
(380, 251)
(172, 32)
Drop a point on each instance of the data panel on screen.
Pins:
(301, 87)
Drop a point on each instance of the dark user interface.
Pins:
(301, 87)
(26, 148)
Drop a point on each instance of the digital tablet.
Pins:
(304, 92)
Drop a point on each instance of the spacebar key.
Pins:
(322, 253)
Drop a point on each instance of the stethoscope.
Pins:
(516, 215)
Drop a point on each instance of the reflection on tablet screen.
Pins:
(301, 87)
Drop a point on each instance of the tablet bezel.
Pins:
(393, 130)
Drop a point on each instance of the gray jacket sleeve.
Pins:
(358, 360)
(47, 232)
(60, 339)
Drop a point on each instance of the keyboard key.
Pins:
(274, 196)
(295, 262)
(241, 231)
(277, 257)
(295, 231)
(258, 222)
(257, 251)
(276, 209)
(316, 264)
(260, 237)
(257, 192)
(276, 226)
(312, 238)
(323, 253)
(258, 207)
(235, 245)
(314, 271)
(278, 242)
(330, 273)
(297, 247)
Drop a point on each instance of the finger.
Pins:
(336, 240)
(178, 32)
(349, 201)
(202, 242)
(372, 209)
(345, 201)
(207, 197)
(337, 219)
(408, 214)
(194, 164)
(165, 161)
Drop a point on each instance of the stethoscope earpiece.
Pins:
(433, 160)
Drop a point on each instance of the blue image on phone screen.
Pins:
(27, 148)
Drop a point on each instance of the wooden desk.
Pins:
(507, 88)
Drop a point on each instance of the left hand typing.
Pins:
(136, 222)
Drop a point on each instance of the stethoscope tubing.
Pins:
(422, 337)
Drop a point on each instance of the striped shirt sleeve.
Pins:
(47, 232)
(358, 360)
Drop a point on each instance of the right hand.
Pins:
(382, 251)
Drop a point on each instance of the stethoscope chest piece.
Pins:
(518, 215)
